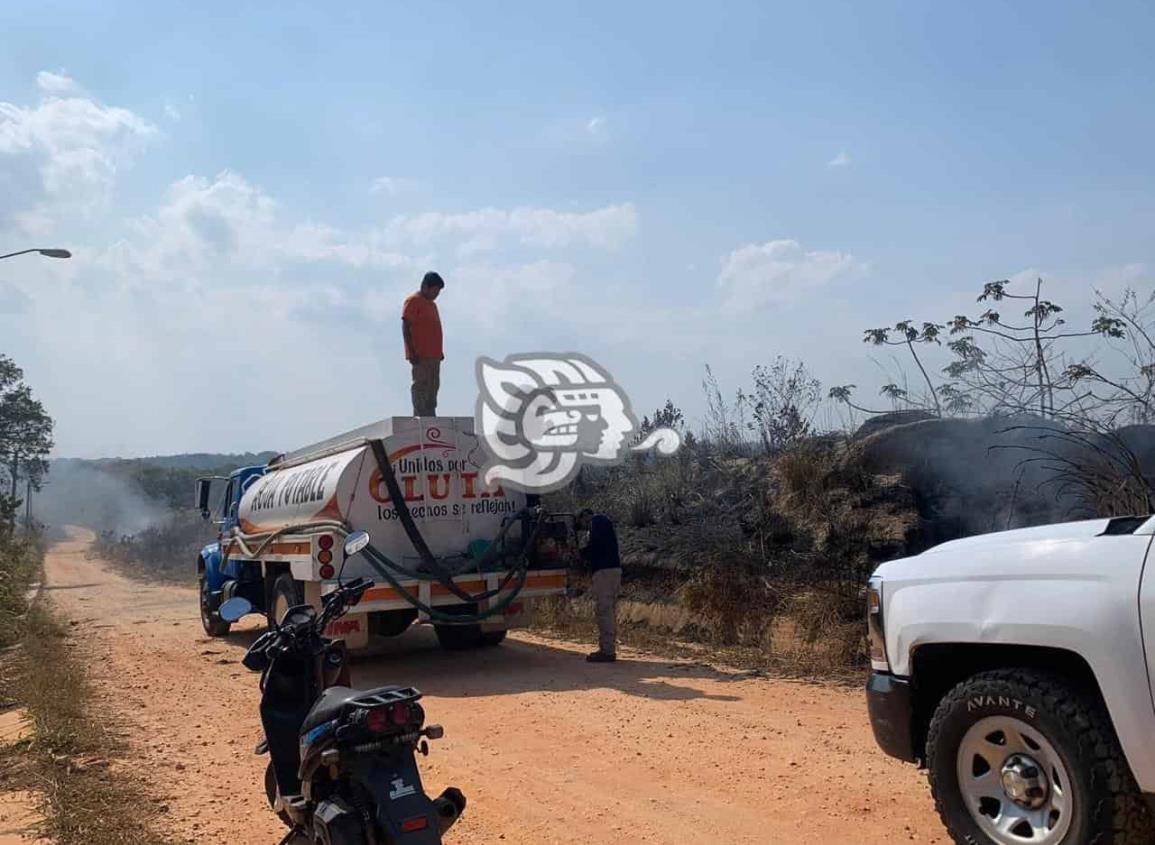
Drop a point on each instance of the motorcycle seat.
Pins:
(334, 701)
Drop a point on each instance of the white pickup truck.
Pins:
(1017, 668)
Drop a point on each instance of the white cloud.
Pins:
(220, 275)
(596, 125)
(392, 185)
(54, 83)
(172, 112)
(230, 223)
(756, 275)
(840, 160)
(483, 230)
(497, 295)
(1116, 279)
(61, 156)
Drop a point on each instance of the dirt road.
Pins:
(548, 748)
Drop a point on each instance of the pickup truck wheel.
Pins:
(458, 637)
(286, 593)
(1018, 756)
(214, 626)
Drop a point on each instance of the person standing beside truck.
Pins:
(601, 553)
(421, 330)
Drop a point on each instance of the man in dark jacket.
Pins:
(601, 553)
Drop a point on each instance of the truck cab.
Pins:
(1016, 668)
(219, 578)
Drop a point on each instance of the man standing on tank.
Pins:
(421, 330)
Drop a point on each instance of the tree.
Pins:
(668, 416)
(25, 435)
(1082, 386)
(1010, 367)
(1123, 390)
(782, 404)
(908, 335)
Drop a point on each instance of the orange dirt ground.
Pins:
(548, 749)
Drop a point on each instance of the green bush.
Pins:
(20, 556)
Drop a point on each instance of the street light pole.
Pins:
(48, 253)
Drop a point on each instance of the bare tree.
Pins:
(782, 404)
(1008, 366)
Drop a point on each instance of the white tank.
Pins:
(437, 461)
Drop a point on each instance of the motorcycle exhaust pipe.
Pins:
(450, 805)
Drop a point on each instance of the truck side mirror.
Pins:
(204, 487)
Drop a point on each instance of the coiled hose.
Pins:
(434, 569)
(386, 567)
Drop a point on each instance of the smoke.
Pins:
(973, 476)
(80, 493)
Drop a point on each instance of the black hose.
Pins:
(375, 559)
(418, 541)
(386, 567)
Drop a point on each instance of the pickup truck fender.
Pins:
(1080, 595)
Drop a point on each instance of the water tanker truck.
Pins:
(446, 549)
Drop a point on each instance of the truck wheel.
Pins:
(493, 638)
(458, 637)
(286, 593)
(1017, 756)
(214, 626)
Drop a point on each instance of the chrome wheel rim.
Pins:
(1014, 783)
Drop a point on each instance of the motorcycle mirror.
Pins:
(235, 608)
(355, 542)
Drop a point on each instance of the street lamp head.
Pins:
(55, 253)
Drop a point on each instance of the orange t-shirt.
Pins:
(424, 327)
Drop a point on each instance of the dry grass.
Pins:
(19, 561)
(780, 650)
(71, 759)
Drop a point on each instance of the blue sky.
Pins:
(250, 190)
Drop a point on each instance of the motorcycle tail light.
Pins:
(417, 823)
(399, 713)
(377, 720)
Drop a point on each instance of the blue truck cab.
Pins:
(219, 579)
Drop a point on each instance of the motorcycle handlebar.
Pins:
(275, 640)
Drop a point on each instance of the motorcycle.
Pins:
(342, 767)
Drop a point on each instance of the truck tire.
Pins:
(490, 639)
(286, 593)
(1016, 753)
(458, 637)
(214, 626)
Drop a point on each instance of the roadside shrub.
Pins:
(167, 551)
(19, 560)
(734, 603)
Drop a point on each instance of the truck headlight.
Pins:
(874, 625)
